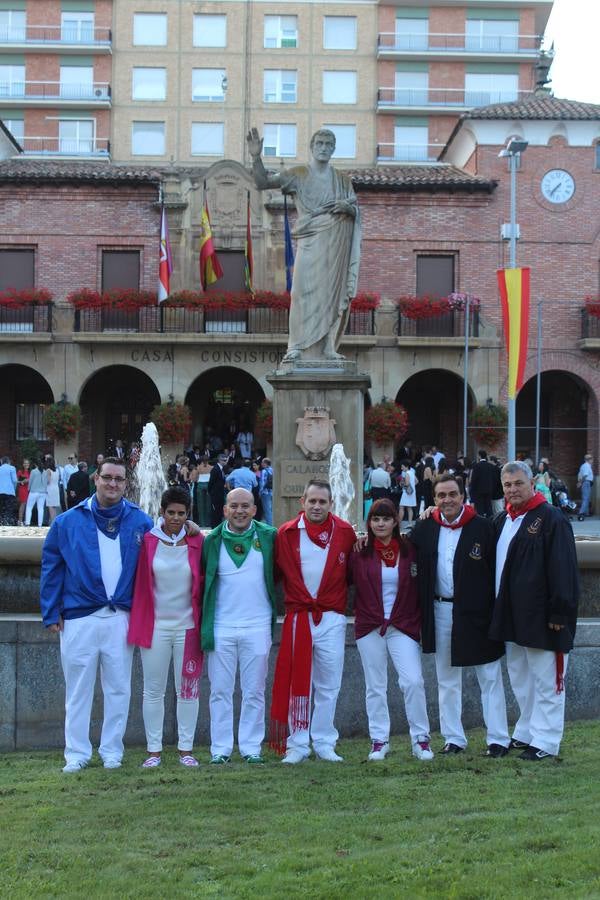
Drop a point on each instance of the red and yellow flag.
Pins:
(210, 268)
(514, 295)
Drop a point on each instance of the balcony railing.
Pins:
(57, 146)
(164, 320)
(32, 318)
(83, 34)
(95, 92)
(509, 44)
(408, 152)
(395, 98)
(450, 324)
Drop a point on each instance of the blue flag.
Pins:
(289, 249)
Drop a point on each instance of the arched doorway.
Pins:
(116, 402)
(434, 402)
(223, 401)
(565, 412)
(23, 400)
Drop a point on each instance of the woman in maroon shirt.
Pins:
(388, 620)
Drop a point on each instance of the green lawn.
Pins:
(459, 827)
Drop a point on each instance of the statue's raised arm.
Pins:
(262, 179)
(327, 234)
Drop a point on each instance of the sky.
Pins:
(574, 26)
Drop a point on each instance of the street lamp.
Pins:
(513, 151)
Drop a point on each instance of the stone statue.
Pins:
(327, 246)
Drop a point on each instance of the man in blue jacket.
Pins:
(88, 567)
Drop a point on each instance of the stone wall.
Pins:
(32, 696)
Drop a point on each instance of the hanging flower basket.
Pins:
(386, 422)
(173, 421)
(27, 297)
(364, 302)
(488, 424)
(592, 305)
(121, 298)
(263, 421)
(62, 421)
(426, 307)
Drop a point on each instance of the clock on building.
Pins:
(558, 186)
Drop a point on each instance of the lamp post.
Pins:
(513, 151)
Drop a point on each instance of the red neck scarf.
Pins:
(320, 533)
(388, 553)
(468, 513)
(533, 501)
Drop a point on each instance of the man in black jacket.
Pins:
(537, 590)
(216, 490)
(484, 479)
(78, 485)
(455, 564)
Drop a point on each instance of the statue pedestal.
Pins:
(296, 386)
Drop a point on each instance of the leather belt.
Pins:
(446, 599)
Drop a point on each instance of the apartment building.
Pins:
(182, 80)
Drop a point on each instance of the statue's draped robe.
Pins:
(327, 256)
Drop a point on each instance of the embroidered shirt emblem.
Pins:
(413, 570)
(535, 526)
(475, 551)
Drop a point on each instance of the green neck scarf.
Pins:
(238, 545)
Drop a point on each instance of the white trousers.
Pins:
(532, 676)
(84, 643)
(167, 644)
(328, 639)
(250, 650)
(405, 654)
(449, 678)
(33, 498)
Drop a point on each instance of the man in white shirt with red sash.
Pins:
(311, 558)
(537, 591)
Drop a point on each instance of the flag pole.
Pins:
(466, 376)
(538, 384)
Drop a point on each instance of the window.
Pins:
(597, 155)
(30, 421)
(148, 138)
(493, 36)
(339, 87)
(411, 88)
(410, 142)
(345, 140)
(77, 27)
(435, 278)
(279, 140)
(208, 139)
(76, 82)
(12, 25)
(17, 269)
(120, 269)
(482, 89)
(280, 86)
(412, 34)
(12, 81)
(76, 136)
(149, 84)
(339, 33)
(16, 128)
(150, 29)
(210, 30)
(281, 31)
(209, 85)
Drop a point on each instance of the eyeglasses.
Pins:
(118, 479)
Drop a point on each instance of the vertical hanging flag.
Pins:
(210, 268)
(514, 296)
(165, 264)
(248, 256)
(289, 249)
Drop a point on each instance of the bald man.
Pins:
(238, 617)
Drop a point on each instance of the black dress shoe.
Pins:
(496, 751)
(532, 753)
(517, 745)
(451, 748)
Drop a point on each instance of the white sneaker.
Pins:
(112, 763)
(379, 750)
(293, 757)
(422, 750)
(329, 755)
(75, 766)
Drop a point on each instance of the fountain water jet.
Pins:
(342, 489)
(149, 474)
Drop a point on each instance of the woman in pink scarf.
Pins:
(165, 623)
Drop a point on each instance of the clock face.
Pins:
(558, 186)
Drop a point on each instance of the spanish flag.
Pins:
(514, 296)
(210, 268)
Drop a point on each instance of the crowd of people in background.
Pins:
(407, 481)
